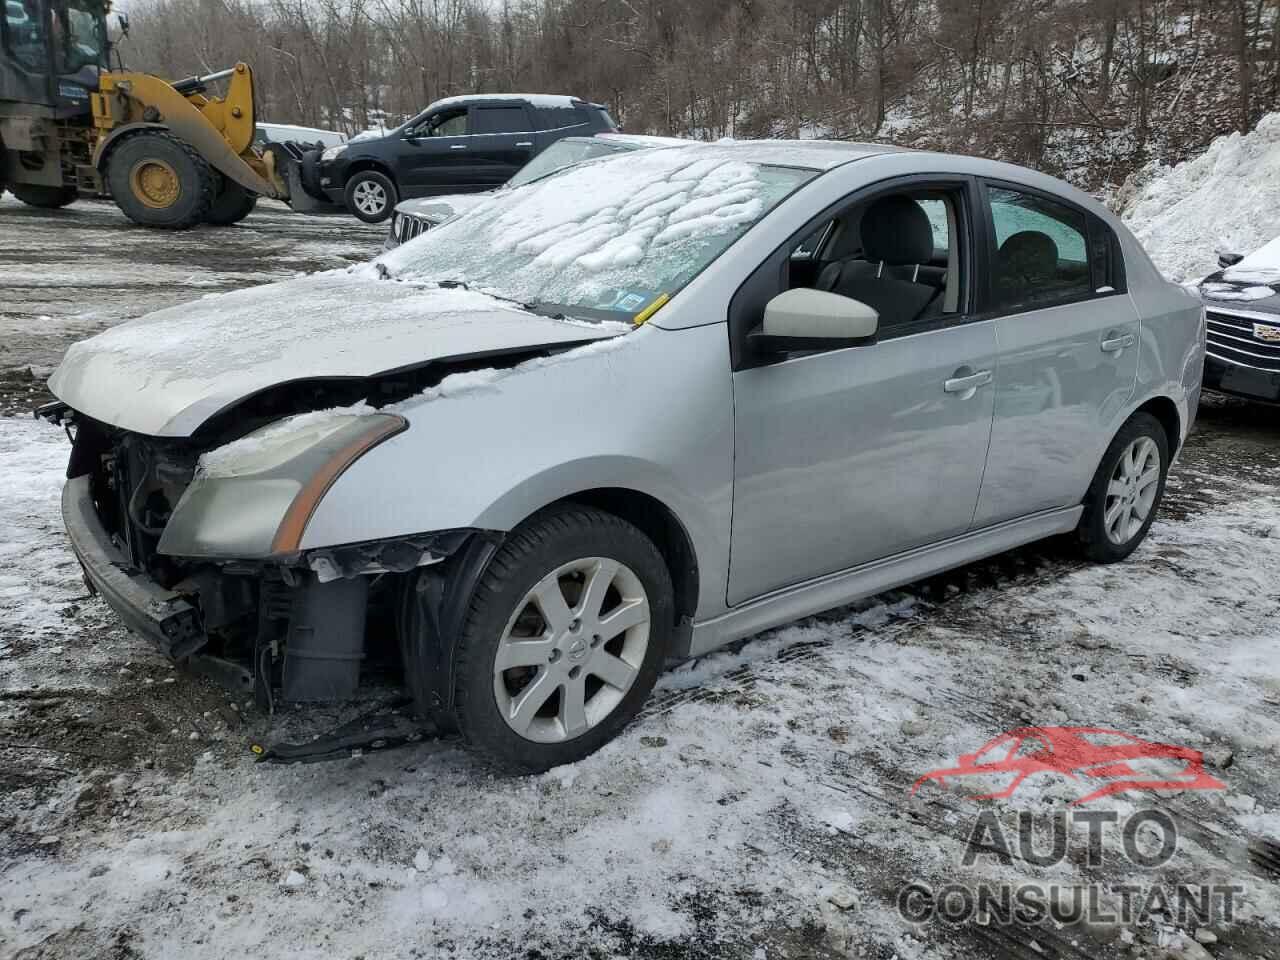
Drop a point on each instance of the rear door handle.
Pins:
(1116, 344)
(525, 143)
(457, 146)
(968, 383)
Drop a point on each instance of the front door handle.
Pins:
(457, 146)
(967, 383)
(1116, 344)
(525, 143)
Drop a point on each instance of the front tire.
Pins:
(160, 181)
(231, 205)
(47, 198)
(1126, 490)
(371, 196)
(563, 640)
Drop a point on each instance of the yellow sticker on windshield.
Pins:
(651, 309)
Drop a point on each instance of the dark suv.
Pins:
(456, 145)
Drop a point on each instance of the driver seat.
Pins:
(897, 239)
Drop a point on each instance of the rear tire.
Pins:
(47, 198)
(231, 205)
(1126, 491)
(371, 196)
(578, 667)
(160, 181)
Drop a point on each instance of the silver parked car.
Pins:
(643, 407)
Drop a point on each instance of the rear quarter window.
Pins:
(557, 118)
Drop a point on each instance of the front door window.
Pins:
(451, 123)
(79, 35)
(24, 35)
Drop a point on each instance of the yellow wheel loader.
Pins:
(171, 155)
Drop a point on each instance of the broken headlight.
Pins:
(253, 497)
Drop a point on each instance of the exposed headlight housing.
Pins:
(253, 497)
(333, 153)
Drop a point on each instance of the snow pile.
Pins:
(1226, 199)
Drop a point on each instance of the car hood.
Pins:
(1228, 291)
(439, 209)
(168, 372)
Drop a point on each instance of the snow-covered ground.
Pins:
(1228, 199)
(759, 785)
(759, 808)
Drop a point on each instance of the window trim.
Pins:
(963, 185)
(987, 306)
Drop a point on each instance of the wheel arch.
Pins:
(371, 163)
(1165, 411)
(112, 139)
(660, 524)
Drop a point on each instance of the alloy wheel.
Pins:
(571, 650)
(1132, 490)
(369, 197)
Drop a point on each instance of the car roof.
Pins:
(807, 154)
(639, 140)
(534, 99)
(294, 126)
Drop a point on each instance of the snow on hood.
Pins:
(1230, 291)
(1261, 266)
(166, 373)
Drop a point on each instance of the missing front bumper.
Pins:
(162, 616)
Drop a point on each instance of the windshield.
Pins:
(560, 154)
(605, 239)
(79, 34)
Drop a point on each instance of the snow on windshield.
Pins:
(607, 235)
(1261, 266)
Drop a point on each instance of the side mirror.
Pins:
(1226, 259)
(806, 319)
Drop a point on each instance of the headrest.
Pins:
(896, 229)
(1029, 255)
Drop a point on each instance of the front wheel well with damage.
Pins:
(434, 599)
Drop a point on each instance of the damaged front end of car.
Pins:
(196, 543)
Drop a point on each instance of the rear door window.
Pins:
(1041, 251)
(499, 120)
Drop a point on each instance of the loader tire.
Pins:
(232, 204)
(48, 198)
(160, 181)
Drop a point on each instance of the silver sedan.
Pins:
(645, 406)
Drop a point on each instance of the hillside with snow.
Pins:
(1228, 198)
